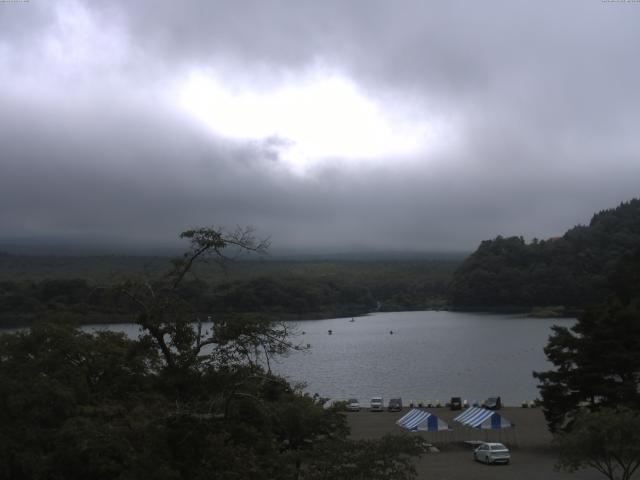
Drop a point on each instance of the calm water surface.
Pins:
(430, 356)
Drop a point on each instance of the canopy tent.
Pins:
(476, 417)
(329, 403)
(422, 420)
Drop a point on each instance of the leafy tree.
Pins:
(390, 457)
(181, 402)
(607, 440)
(60, 388)
(598, 359)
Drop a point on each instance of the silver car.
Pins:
(353, 405)
(377, 404)
(491, 453)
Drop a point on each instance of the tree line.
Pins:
(570, 271)
(365, 287)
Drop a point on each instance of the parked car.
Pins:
(377, 404)
(491, 453)
(492, 403)
(455, 403)
(353, 405)
(395, 405)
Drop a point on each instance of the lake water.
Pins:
(430, 356)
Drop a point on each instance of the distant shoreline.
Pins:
(8, 321)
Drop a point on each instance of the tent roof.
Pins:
(477, 417)
(422, 420)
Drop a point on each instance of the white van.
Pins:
(377, 404)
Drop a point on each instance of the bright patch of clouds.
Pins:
(316, 118)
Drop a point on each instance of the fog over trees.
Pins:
(335, 126)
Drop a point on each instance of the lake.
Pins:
(430, 356)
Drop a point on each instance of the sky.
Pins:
(334, 125)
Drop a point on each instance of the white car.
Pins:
(377, 404)
(491, 453)
(353, 405)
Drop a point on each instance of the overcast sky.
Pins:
(328, 124)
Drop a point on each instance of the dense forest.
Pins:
(32, 286)
(570, 271)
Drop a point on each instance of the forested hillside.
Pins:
(570, 271)
(282, 289)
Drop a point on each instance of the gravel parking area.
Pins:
(532, 456)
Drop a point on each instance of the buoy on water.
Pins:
(329, 332)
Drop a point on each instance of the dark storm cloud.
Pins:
(542, 98)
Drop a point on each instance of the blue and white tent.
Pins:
(477, 417)
(422, 420)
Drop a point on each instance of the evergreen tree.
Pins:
(598, 359)
(571, 270)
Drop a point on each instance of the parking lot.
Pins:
(532, 455)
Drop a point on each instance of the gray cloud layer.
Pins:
(543, 95)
